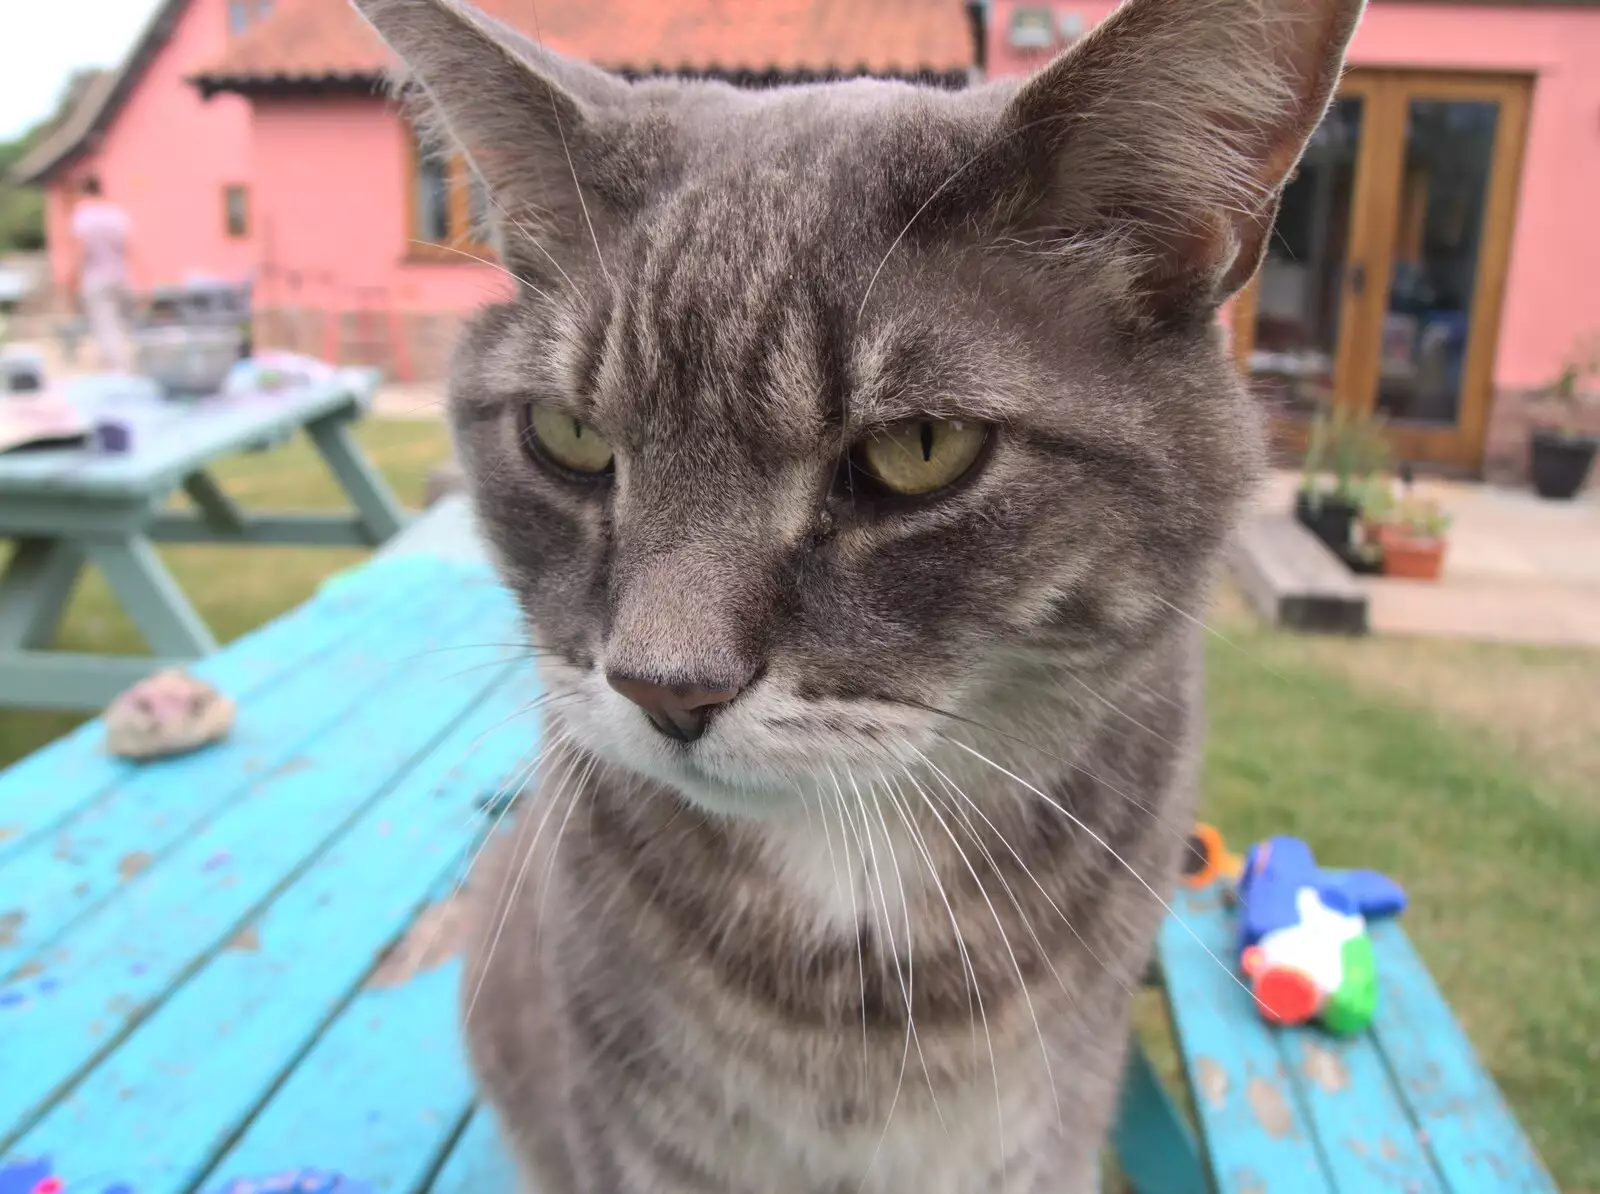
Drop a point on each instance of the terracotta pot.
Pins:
(1410, 557)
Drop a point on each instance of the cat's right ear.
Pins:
(1164, 138)
(539, 129)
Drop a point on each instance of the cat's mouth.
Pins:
(770, 753)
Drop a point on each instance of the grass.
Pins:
(1472, 773)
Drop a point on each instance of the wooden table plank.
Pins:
(1368, 1140)
(1475, 1140)
(379, 1098)
(158, 1111)
(63, 877)
(1256, 1133)
(39, 792)
(170, 439)
(106, 974)
(479, 1163)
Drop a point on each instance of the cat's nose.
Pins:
(678, 710)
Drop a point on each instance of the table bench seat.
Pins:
(221, 966)
(1405, 1107)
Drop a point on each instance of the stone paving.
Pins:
(1517, 569)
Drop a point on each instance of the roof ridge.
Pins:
(100, 101)
(319, 41)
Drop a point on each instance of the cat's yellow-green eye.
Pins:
(568, 442)
(920, 455)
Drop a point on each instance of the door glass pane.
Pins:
(1301, 281)
(1443, 190)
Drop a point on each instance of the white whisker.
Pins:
(481, 261)
(1103, 844)
(1022, 982)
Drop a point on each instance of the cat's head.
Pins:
(823, 414)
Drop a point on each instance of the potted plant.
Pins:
(1375, 505)
(1560, 454)
(1412, 539)
(1343, 452)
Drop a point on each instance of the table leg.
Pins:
(216, 508)
(34, 591)
(380, 511)
(1154, 1146)
(152, 598)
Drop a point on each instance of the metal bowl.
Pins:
(188, 361)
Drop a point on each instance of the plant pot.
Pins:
(1363, 563)
(1328, 518)
(1560, 463)
(1410, 557)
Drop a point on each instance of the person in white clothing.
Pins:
(100, 272)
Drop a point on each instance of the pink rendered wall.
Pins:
(165, 158)
(1552, 295)
(331, 182)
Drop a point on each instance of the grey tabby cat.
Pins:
(857, 453)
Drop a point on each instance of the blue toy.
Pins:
(1303, 939)
(296, 1181)
(38, 1177)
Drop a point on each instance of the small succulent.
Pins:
(1570, 388)
(1421, 518)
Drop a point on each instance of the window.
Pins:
(448, 205)
(236, 211)
(243, 13)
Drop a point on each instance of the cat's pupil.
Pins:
(577, 429)
(927, 441)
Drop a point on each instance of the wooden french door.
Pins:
(1382, 286)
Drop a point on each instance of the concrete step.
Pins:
(1294, 581)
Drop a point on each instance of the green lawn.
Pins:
(1471, 773)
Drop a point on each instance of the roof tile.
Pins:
(327, 39)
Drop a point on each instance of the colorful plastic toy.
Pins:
(1207, 859)
(296, 1181)
(1303, 939)
(38, 1177)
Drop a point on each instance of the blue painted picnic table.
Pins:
(65, 507)
(223, 966)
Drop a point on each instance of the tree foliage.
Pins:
(22, 207)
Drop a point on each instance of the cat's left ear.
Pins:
(1164, 138)
(545, 133)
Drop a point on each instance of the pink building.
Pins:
(363, 243)
(1437, 254)
(1434, 260)
(179, 165)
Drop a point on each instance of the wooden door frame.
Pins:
(1289, 434)
(1461, 445)
(1376, 195)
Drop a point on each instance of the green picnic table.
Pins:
(67, 507)
(238, 963)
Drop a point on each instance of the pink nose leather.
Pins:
(678, 710)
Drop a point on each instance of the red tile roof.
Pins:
(325, 40)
